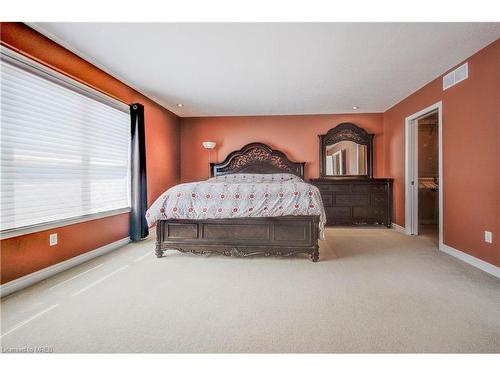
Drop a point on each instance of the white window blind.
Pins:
(65, 148)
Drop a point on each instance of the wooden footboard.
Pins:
(281, 236)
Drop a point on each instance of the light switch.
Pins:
(53, 239)
(488, 236)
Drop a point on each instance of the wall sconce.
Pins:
(209, 145)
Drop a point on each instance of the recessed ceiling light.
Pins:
(180, 105)
(355, 107)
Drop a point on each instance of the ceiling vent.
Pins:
(457, 75)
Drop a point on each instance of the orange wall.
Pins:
(297, 136)
(28, 253)
(471, 159)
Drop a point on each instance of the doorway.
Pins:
(424, 182)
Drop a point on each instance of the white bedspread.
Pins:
(239, 196)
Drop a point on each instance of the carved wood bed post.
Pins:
(315, 254)
(158, 251)
(159, 240)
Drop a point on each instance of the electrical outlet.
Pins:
(53, 239)
(488, 236)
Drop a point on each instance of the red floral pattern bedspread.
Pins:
(238, 196)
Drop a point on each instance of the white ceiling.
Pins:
(218, 69)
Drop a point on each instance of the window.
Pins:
(65, 148)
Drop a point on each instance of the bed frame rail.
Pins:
(281, 236)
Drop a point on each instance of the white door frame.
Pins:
(411, 169)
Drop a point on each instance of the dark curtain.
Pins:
(138, 224)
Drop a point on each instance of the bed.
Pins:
(255, 203)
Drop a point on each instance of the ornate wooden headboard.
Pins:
(257, 158)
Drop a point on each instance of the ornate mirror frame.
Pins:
(346, 131)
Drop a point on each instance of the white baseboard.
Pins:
(464, 257)
(35, 277)
(473, 261)
(399, 228)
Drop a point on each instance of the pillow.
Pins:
(256, 177)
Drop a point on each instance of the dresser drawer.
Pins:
(352, 199)
(339, 188)
(365, 188)
(379, 199)
(338, 212)
(338, 215)
(327, 198)
(369, 214)
(379, 213)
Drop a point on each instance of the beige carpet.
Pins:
(374, 290)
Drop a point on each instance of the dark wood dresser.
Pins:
(353, 201)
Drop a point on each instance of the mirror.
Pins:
(346, 151)
(346, 158)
